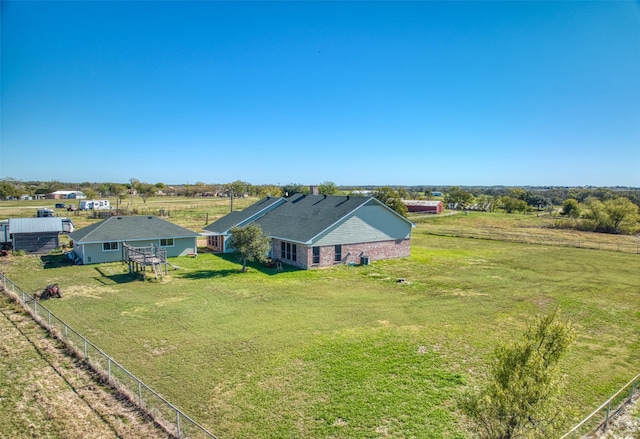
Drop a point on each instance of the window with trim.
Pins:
(316, 255)
(288, 251)
(110, 246)
(338, 253)
(166, 242)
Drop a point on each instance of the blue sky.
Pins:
(358, 93)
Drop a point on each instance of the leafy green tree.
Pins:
(511, 204)
(458, 197)
(249, 244)
(146, 191)
(238, 188)
(623, 214)
(327, 188)
(133, 184)
(486, 203)
(8, 189)
(404, 194)
(612, 216)
(52, 186)
(268, 190)
(89, 192)
(118, 190)
(391, 198)
(294, 188)
(521, 398)
(571, 208)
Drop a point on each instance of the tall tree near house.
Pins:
(327, 188)
(391, 198)
(520, 399)
(249, 244)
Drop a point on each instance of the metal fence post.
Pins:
(178, 423)
(65, 328)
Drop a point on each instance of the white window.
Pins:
(110, 246)
(166, 242)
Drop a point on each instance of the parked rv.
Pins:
(94, 205)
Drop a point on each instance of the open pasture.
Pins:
(540, 228)
(350, 352)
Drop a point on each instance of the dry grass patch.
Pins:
(45, 393)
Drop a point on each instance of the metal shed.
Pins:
(35, 235)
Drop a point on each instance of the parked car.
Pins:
(60, 206)
(71, 207)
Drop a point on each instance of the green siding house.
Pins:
(316, 231)
(103, 241)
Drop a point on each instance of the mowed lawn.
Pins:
(350, 352)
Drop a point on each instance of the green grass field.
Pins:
(349, 352)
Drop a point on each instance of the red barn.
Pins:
(424, 206)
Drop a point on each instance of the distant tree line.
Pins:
(610, 209)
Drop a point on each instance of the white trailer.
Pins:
(94, 205)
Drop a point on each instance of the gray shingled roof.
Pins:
(239, 218)
(305, 216)
(35, 225)
(130, 228)
(299, 218)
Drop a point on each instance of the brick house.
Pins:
(317, 231)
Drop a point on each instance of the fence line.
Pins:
(165, 414)
(533, 239)
(633, 384)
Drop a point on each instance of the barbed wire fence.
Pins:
(171, 419)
